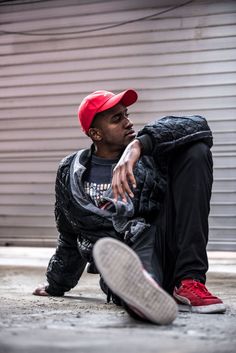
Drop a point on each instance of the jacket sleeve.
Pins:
(66, 265)
(171, 132)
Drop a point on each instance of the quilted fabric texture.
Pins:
(173, 131)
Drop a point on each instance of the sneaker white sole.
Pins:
(206, 309)
(122, 271)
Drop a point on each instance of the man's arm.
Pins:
(66, 265)
(157, 139)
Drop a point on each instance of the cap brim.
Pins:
(126, 98)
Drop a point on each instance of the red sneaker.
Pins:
(196, 298)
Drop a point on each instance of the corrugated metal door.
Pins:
(53, 53)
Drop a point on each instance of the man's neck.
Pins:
(107, 154)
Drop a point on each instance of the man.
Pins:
(144, 202)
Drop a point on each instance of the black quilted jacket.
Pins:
(80, 225)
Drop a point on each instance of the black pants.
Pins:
(174, 247)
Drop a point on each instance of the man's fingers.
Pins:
(40, 291)
(122, 178)
(130, 177)
(127, 179)
(120, 189)
(117, 185)
(125, 185)
(114, 185)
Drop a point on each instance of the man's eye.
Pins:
(116, 118)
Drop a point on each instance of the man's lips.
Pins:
(130, 132)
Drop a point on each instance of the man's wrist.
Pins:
(145, 143)
(137, 143)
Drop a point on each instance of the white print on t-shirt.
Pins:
(96, 191)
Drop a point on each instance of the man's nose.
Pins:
(128, 123)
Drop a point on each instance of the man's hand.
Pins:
(123, 175)
(40, 290)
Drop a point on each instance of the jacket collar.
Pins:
(85, 155)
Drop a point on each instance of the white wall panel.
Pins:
(181, 62)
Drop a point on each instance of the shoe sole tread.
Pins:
(120, 267)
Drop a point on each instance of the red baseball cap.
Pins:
(99, 101)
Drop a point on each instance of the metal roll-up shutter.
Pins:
(181, 62)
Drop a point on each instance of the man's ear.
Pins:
(95, 134)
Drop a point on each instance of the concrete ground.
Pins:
(83, 322)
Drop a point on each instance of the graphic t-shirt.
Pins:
(97, 178)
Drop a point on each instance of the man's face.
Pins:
(115, 128)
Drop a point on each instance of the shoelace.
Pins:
(198, 289)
